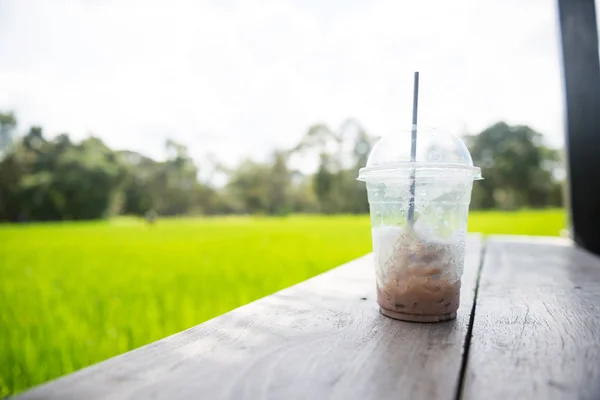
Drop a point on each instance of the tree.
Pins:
(178, 179)
(279, 185)
(517, 168)
(248, 187)
(324, 181)
(138, 192)
(8, 124)
(341, 154)
(169, 188)
(302, 194)
(256, 187)
(56, 179)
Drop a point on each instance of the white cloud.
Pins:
(240, 77)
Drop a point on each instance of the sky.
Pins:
(239, 78)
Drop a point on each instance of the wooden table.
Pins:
(528, 327)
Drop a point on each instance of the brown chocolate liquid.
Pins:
(417, 293)
(413, 287)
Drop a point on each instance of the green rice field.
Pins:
(74, 294)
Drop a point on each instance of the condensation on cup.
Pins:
(419, 255)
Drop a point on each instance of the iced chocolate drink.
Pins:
(418, 296)
(419, 206)
(417, 279)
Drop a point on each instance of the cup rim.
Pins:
(365, 173)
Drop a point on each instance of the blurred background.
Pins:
(163, 162)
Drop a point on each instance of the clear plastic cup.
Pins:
(419, 252)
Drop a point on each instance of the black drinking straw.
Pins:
(413, 148)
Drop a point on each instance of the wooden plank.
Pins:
(536, 331)
(581, 68)
(323, 338)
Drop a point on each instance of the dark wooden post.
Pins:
(581, 69)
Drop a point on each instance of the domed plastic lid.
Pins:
(438, 153)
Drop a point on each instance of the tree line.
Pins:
(46, 179)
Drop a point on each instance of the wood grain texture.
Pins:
(323, 338)
(536, 331)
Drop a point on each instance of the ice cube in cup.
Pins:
(419, 261)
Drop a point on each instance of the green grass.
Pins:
(525, 222)
(74, 294)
